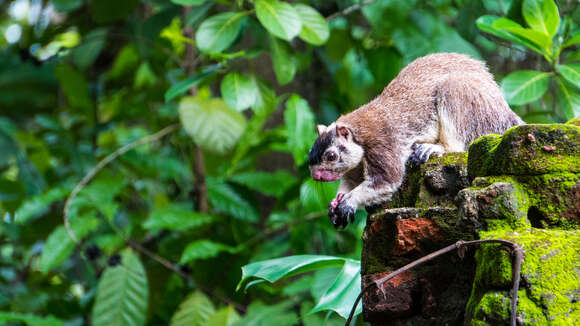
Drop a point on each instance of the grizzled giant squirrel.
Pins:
(437, 104)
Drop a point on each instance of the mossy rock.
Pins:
(574, 121)
(550, 280)
(527, 150)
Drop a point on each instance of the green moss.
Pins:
(574, 121)
(495, 308)
(480, 153)
(549, 273)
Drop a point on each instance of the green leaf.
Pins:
(525, 86)
(176, 218)
(40, 203)
(238, 91)
(202, 249)
(569, 100)
(571, 73)
(226, 200)
(315, 195)
(189, 83)
(489, 24)
(314, 27)
(59, 246)
(538, 38)
(266, 100)
(85, 54)
(283, 61)
(122, 294)
(188, 2)
(74, 86)
(193, 311)
(211, 123)
(572, 41)
(342, 294)
(217, 33)
(542, 16)
(108, 11)
(279, 18)
(145, 76)
(224, 317)
(259, 314)
(67, 5)
(31, 320)
(274, 184)
(299, 121)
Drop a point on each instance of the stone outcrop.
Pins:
(524, 187)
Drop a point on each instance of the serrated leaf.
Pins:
(283, 61)
(314, 27)
(226, 200)
(259, 314)
(267, 183)
(524, 86)
(542, 16)
(40, 203)
(224, 317)
(29, 319)
(193, 311)
(570, 72)
(176, 218)
(122, 294)
(342, 293)
(569, 100)
(190, 82)
(279, 18)
(202, 249)
(59, 246)
(211, 123)
(217, 33)
(238, 91)
(299, 121)
(489, 24)
(188, 2)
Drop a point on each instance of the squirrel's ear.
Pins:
(321, 129)
(342, 131)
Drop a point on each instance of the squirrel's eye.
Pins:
(331, 156)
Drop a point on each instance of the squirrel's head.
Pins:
(334, 153)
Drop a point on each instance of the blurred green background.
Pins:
(213, 104)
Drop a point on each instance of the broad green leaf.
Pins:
(571, 73)
(273, 184)
(224, 317)
(525, 86)
(189, 83)
(299, 121)
(315, 195)
(569, 100)
(122, 294)
(41, 203)
(279, 18)
(542, 16)
(572, 41)
(217, 33)
(266, 100)
(196, 310)
(314, 27)
(342, 294)
(59, 246)
(538, 38)
(74, 86)
(176, 218)
(67, 5)
(212, 124)
(202, 249)
(489, 24)
(145, 76)
(188, 2)
(238, 91)
(275, 269)
(126, 62)
(85, 54)
(258, 314)
(283, 61)
(226, 200)
(29, 319)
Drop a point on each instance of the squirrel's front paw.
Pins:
(344, 213)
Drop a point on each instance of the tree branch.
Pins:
(349, 10)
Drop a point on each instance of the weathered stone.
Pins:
(527, 150)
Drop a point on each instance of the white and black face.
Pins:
(334, 153)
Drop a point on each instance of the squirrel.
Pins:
(437, 104)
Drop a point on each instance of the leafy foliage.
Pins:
(87, 84)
